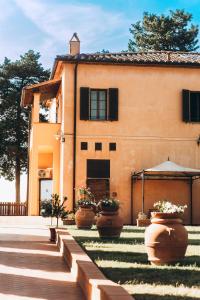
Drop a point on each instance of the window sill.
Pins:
(192, 122)
(100, 120)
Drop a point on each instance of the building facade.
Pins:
(111, 115)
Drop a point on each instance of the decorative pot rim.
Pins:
(163, 215)
(86, 207)
(108, 208)
(68, 220)
(109, 212)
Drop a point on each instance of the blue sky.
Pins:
(47, 25)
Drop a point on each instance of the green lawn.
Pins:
(124, 261)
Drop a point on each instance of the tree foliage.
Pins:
(159, 32)
(14, 75)
(103, 51)
(54, 208)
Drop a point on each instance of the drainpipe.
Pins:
(28, 158)
(131, 206)
(74, 136)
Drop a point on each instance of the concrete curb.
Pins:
(93, 283)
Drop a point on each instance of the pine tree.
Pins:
(159, 32)
(14, 75)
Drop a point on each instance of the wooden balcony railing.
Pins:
(13, 209)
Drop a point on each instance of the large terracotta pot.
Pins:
(109, 224)
(84, 218)
(166, 238)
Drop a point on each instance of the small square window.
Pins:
(98, 146)
(112, 146)
(84, 145)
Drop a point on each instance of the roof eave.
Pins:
(130, 63)
(56, 60)
(28, 91)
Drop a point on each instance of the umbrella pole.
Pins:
(143, 191)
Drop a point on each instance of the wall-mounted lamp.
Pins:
(59, 136)
(198, 141)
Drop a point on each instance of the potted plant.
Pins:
(166, 208)
(85, 214)
(54, 208)
(166, 239)
(142, 220)
(109, 223)
(69, 219)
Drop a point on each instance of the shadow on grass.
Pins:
(193, 242)
(192, 260)
(122, 240)
(158, 297)
(133, 230)
(137, 257)
(193, 232)
(130, 257)
(156, 276)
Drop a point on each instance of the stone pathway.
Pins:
(31, 267)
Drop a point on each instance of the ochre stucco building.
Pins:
(112, 115)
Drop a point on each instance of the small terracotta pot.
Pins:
(109, 224)
(84, 218)
(52, 234)
(166, 239)
(68, 222)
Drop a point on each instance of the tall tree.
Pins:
(14, 75)
(159, 32)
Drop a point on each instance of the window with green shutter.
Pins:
(113, 104)
(99, 104)
(84, 103)
(191, 106)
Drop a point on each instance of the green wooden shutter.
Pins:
(113, 104)
(84, 103)
(186, 106)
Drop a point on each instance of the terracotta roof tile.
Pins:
(161, 57)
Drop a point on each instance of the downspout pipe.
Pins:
(28, 159)
(74, 135)
(131, 206)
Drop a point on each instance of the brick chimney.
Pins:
(74, 45)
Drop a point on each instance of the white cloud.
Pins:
(58, 21)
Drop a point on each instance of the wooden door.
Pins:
(100, 188)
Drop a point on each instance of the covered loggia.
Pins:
(171, 173)
(44, 141)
